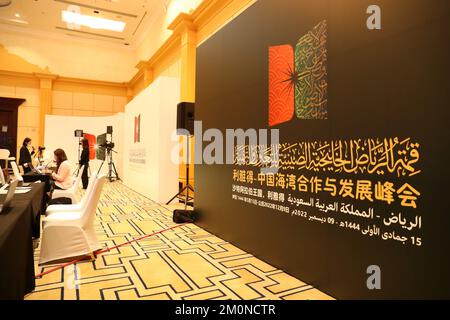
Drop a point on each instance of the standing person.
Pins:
(26, 151)
(62, 178)
(84, 161)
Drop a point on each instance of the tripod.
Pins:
(112, 172)
(187, 187)
(79, 154)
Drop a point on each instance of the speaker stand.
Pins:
(187, 187)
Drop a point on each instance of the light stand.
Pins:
(79, 155)
(78, 134)
(187, 187)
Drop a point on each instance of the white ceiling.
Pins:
(44, 17)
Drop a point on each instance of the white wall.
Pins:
(157, 178)
(59, 133)
(157, 105)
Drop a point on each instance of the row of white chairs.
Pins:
(71, 193)
(68, 230)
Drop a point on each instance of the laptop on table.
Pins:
(9, 197)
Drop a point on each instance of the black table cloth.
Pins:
(46, 179)
(17, 227)
(32, 177)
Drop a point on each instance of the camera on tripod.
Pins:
(108, 145)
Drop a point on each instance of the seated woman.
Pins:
(25, 155)
(62, 178)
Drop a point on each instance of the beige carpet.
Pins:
(184, 263)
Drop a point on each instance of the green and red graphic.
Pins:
(298, 78)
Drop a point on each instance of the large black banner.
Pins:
(357, 206)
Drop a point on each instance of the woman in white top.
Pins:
(62, 178)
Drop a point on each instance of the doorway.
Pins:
(8, 123)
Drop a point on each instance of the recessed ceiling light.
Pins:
(92, 22)
(17, 15)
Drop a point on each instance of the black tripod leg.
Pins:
(192, 189)
(99, 169)
(175, 196)
(187, 187)
(109, 172)
(115, 171)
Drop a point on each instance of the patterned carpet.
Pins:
(183, 263)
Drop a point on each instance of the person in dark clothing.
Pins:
(25, 155)
(84, 161)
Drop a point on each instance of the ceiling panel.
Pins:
(45, 16)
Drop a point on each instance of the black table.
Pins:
(33, 176)
(17, 227)
(45, 178)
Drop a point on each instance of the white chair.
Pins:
(77, 206)
(72, 191)
(5, 156)
(16, 172)
(2, 176)
(72, 234)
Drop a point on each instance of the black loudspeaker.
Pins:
(109, 129)
(185, 118)
(183, 216)
(78, 133)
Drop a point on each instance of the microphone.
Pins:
(43, 167)
(48, 163)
